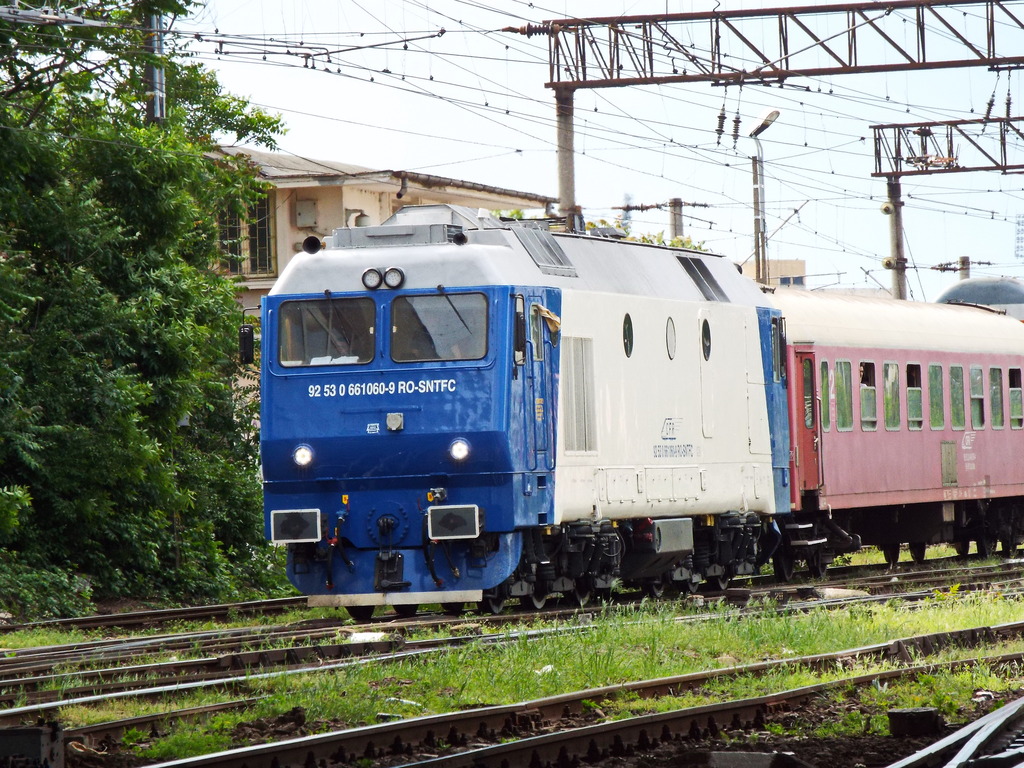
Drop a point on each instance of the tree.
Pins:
(127, 453)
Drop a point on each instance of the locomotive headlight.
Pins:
(459, 449)
(372, 278)
(394, 277)
(302, 455)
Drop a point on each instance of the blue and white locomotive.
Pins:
(457, 409)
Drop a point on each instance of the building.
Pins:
(314, 197)
(792, 272)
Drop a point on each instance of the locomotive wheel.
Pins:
(984, 546)
(783, 565)
(581, 594)
(452, 609)
(962, 548)
(716, 583)
(917, 551)
(816, 566)
(360, 612)
(1008, 548)
(407, 611)
(492, 604)
(688, 587)
(891, 553)
(603, 594)
(655, 588)
(535, 601)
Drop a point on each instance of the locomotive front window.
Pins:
(439, 327)
(326, 332)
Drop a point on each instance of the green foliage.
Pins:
(624, 228)
(127, 455)
(41, 593)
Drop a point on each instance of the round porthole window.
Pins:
(670, 338)
(705, 339)
(627, 335)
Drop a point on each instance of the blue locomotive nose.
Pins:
(391, 460)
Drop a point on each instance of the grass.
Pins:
(626, 644)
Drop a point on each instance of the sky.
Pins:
(376, 83)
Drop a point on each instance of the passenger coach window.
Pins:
(977, 397)
(1016, 399)
(956, 396)
(891, 395)
(809, 393)
(824, 398)
(868, 397)
(936, 397)
(326, 332)
(844, 396)
(446, 326)
(995, 389)
(915, 408)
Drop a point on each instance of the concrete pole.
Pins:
(566, 157)
(760, 230)
(156, 109)
(965, 267)
(675, 219)
(899, 261)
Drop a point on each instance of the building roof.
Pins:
(287, 170)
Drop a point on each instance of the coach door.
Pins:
(806, 429)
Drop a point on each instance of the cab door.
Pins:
(543, 328)
(805, 425)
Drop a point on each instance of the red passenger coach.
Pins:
(907, 426)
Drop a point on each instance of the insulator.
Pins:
(1009, 101)
(735, 129)
(989, 107)
(720, 130)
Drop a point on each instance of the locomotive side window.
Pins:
(915, 407)
(1016, 399)
(326, 332)
(824, 397)
(891, 395)
(439, 327)
(868, 397)
(995, 389)
(844, 396)
(956, 396)
(936, 397)
(670, 338)
(537, 332)
(977, 397)
(778, 348)
(627, 335)
(578, 391)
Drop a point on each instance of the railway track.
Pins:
(29, 694)
(560, 730)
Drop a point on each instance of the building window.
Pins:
(248, 243)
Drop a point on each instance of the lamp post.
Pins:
(760, 231)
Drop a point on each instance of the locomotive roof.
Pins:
(452, 246)
(825, 318)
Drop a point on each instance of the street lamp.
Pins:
(760, 232)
